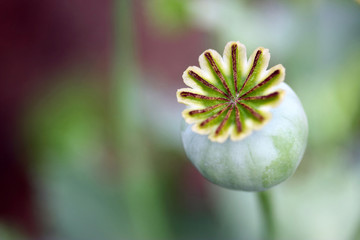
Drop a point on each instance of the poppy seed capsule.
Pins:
(244, 128)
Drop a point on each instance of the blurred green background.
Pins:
(90, 141)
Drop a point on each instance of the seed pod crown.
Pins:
(230, 95)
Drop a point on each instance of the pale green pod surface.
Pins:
(244, 127)
(262, 160)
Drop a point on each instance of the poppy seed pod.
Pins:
(244, 128)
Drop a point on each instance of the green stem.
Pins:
(141, 187)
(357, 232)
(267, 215)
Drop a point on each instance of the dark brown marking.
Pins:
(223, 122)
(271, 76)
(274, 94)
(214, 116)
(206, 83)
(238, 122)
(205, 109)
(217, 71)
(256, 59)
(194, 95)
(235, 74)
(252, 111)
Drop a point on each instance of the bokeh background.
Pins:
(89, 124)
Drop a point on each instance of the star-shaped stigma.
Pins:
(229, 95)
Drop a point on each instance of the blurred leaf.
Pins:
(168, 15)
(9, 233)
(66, 123)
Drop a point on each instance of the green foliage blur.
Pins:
(107, 158)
